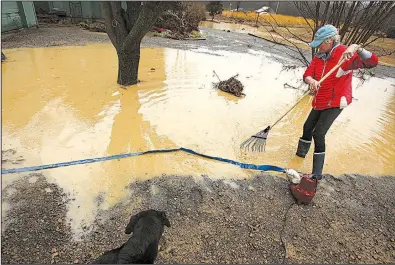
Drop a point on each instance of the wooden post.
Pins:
(257, 16)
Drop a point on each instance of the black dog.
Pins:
(142, 246)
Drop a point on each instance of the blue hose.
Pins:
(99, 159)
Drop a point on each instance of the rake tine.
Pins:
(247, 144)
(242, 146)
(253, 146)
(258, 145)
(260, 140)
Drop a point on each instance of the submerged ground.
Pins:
(68, 107)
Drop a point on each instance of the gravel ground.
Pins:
(213, 221)
(215, 40)
(351, 221)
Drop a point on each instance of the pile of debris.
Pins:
(176, 35)
(54, 16)
(97, 26)
(47, 19)
(232, 86)
(181, 21)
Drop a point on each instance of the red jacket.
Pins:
(338, 84)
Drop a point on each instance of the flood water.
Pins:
(258, 31)
(63, 103)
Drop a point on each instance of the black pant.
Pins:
(317, 125)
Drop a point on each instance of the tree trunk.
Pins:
(128, 65)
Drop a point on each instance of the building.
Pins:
(17, 14)
(76, 10)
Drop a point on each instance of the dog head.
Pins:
(153, 213)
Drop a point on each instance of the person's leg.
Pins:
(325, 121)
(308, 128)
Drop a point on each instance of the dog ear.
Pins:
(166, 221)
(133, 221)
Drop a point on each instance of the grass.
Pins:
(195, 34)
(282, 20)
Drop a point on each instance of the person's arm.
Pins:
(309, 75)
(358, 58)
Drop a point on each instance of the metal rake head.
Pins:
(257, 142)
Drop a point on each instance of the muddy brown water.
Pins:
(63, 103)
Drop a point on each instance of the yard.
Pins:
(68, 107)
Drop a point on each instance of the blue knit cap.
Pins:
(322, 34)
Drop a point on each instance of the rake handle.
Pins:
(319, 83)
(331, 71)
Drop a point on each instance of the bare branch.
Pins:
(106, 7)
(149, 13)
(348, 19)
(118, 21)
(297, 49)
(133, 11)
(304, 17)
(370, 42)
(290, 32)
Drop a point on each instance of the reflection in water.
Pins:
(240, 28)
(68, 107)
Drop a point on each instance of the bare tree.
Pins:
(126, 29)
(182, 19)
(214, 8)
(358, 21)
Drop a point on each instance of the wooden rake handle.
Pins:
(331, 71)
(307, 92)
(324, 77)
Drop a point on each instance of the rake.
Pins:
(257, 142)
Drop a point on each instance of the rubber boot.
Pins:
(318, 165)
(303, 148)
